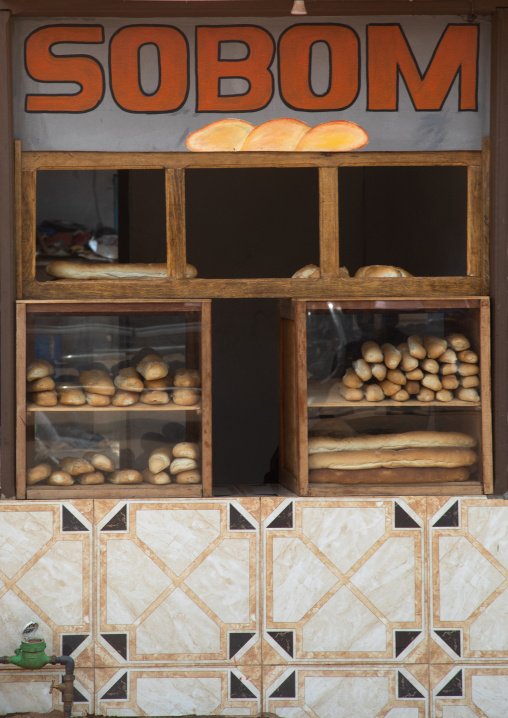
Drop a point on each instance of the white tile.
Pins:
(300, 579)
(178, 625)
(15, 614)
(489, 632)
(22, 535)
(458, 712)
(178, 696)
(343, 535)
(133, 582)
(466, 578)
(344, 624)
(344, 697)
(179, 536)
(222, 580)
(23, 697)
(388, 579)
(488, 526)
(490, 693)
(55, 583)
(403, 713)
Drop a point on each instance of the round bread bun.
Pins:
(226, 135)
(280, 135)
(381, 270)
(336, 136)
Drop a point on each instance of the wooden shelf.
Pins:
(115, 491)
(134, 407)
(327, 394)
(449, 488)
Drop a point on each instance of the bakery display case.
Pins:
(386, 396)
(114, 399)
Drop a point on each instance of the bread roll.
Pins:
(154, 397)
(444, 395)
(186, 450)
(125, 476)
(458, 342)
(396, 376)
(362, 369)
(333, 136)
(379, 371)
(430, 365)
(467, 369)
(227, 135)
(125, 398)
(187, 377)
(97, 381)
(45, 383)
(389, 388)
(37, 473)
(381, 270)
(160, 478)
(468, 356)
(62, 269)
(188, 477)
(408, 362)
(160, 459)
(448, 357)
(434, 346)
(99, 461)
(45, 398)
(178, 465)
(97, 399)
(280, 135)
(403, 440)
(128, 379)
(71, 397)
(425, 394)
(449, 457)
(74, 465)
(413, 387)
(90, 479)
(415, 346)
(373, 392)
(391, 356)
(414, 374)
(401, 395)
(448, 369)
(39, 368)
(351, 379)
(60, 478)
(371, 352)
(467, 394)
(450, 382)
(389, 476)
(152, 366)
(432, 381)
(349, 394)
(185, 397)
(310, 271)
(467, 382)
(165, 382)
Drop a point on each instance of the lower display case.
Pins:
(114, 400)
(386, 397)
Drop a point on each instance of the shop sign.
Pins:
(383, 84)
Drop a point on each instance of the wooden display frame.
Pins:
(204, 408)
(294, 401)
(175, 286)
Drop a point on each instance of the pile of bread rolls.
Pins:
(428, 369)
(407, 457)
(176, 464)
(149, 382)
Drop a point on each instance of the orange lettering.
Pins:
(295, 58)
(173, 54)
(254, 68)
(44, 66)
(389, 54)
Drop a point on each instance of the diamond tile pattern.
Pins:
(319, 608)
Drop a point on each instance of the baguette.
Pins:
(74, 466)
(396, 376)
(160, 459)
(179, 465)
(465, 369)
(62, 269)
(128, 379)
(449, 457)
(408, 362)
(430, 365)
(425, 394)
(71, 397)
(45, 398)
(379, 371)
(392, 356)
(37, 473)
(125, 398)
(97, 381)
(99, 461)
(97, 399)
(38, 369)
(152, 366)
(126, 476)
(351, 379)
(401, 395)
(434, 346)
(413, 387)
(45, 383)
(444, 395)
(431, 381)
(450, 382)
(468, 382)
(381, 270)
(389, 388)
(448, 357)
(186, 450)
(468, 356)
(187, 378)
(448, 369)
(60, 478)
(467, 394)
(154, 397)
(188, 397)
(362, 369)
(371, 352)
(415, 374)
(310, 271)
(373, 392)
(389, 476)
(91, 478)
(404, 440)
(165, 382)
(458, 342)
(415, 346)
(160, 478)
(188, 477)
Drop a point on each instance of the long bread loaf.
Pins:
(406, 440)
(389, 476)
(447, 458)
(62, 269)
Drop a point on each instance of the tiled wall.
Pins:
(304, 608)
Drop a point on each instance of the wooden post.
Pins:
(175, 222)
(329, 221)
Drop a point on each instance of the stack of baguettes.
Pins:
(429, 369)
(407, 457)
(176, 464)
